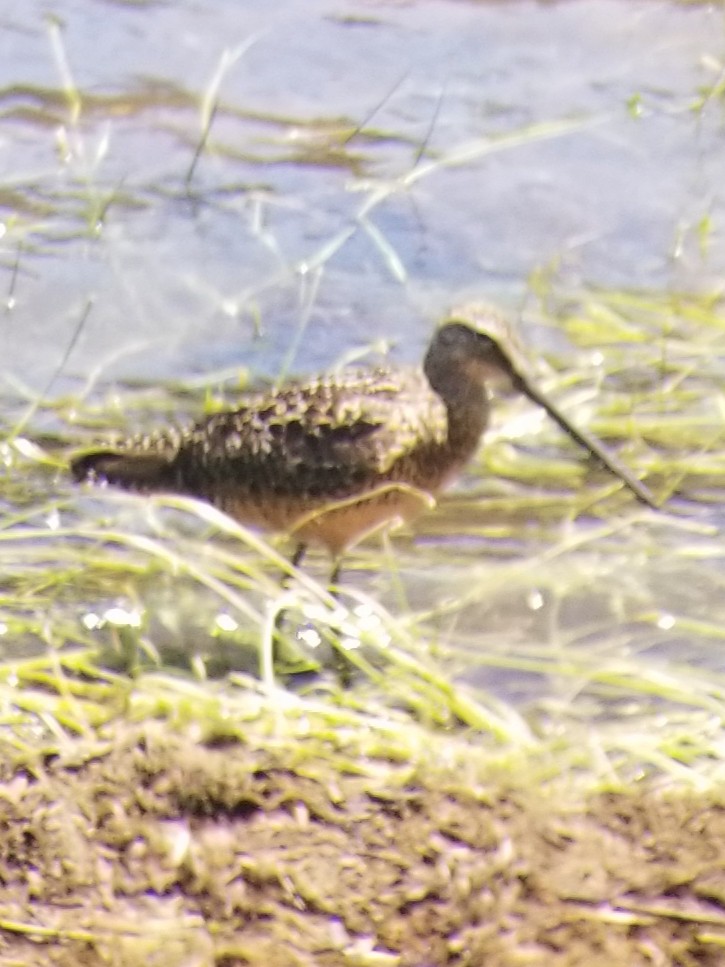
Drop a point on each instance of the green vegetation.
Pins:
(127, 603)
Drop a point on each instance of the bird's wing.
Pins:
(323, 437)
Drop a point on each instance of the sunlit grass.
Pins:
(118, 605)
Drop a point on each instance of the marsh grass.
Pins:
(118, 605)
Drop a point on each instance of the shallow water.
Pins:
(321, 105)
(369, 165)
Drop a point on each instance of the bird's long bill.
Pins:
(586, 440)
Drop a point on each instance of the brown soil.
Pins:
(155, 849)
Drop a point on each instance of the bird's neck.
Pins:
(467, 404)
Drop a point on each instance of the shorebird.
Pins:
(334, 458)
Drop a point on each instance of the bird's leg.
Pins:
(295, 561)
(335, 577)
(341, 664)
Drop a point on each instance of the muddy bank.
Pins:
(156, 849)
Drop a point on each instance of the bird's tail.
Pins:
(134, 471)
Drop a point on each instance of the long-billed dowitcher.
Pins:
(330, 460)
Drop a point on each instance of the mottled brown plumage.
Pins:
(334, 458)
